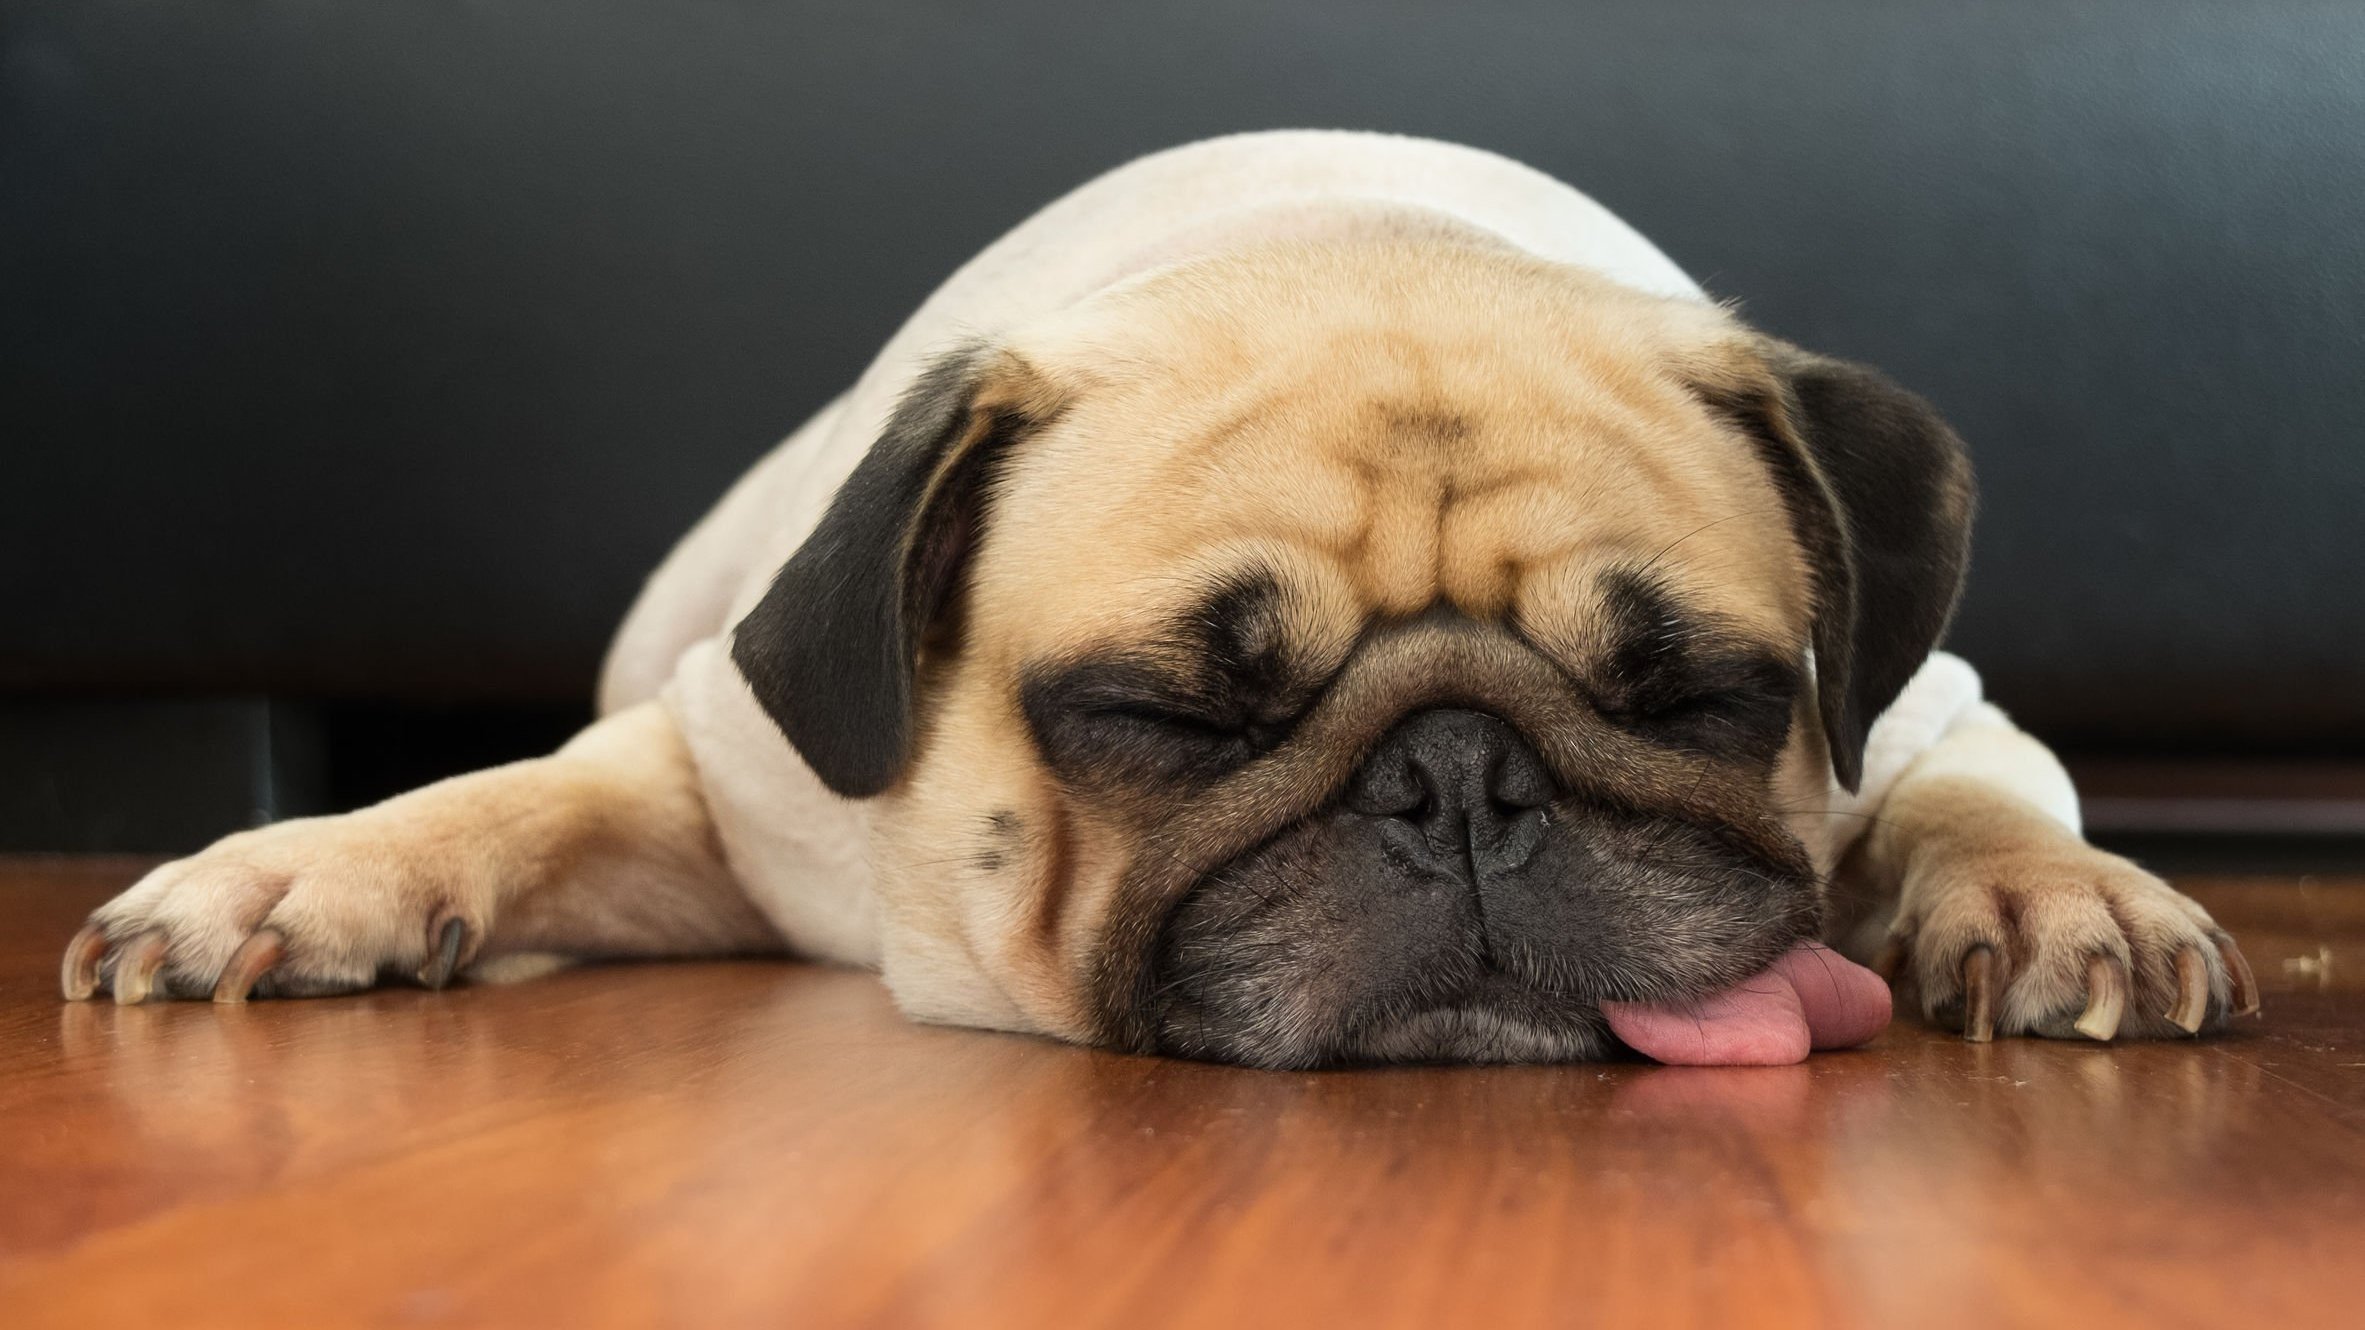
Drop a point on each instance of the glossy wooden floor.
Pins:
(770, 1145)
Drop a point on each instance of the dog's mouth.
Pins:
(1809, 998)
(1330, 946)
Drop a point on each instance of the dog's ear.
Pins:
(832, 649)
(1880, 497)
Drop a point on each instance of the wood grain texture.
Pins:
(771, 1144)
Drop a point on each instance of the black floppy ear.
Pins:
(1880, 497)
(831, 650)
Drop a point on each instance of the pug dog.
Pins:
(1302, 598)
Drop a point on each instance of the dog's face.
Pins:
(1359, 652)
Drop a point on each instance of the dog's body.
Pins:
(1251, 392)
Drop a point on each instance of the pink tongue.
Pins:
(1811, 998)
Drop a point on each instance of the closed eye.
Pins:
(1749, 722)
(1129, 723)
(1681, 677)
(1184, 724)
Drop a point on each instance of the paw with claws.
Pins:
(316, 906)
(2063, 940)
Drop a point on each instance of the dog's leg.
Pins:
(2008, 922)
(601, 849)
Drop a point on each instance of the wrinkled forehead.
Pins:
(1376, 466)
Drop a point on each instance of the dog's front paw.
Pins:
(2063, 940)
(315, 906)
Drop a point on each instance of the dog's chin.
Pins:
(1486, 1028)
(1493, 1018)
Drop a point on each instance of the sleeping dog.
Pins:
(1301, 598)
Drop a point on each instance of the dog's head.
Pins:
(1351, 652)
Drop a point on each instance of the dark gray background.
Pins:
(376, 350)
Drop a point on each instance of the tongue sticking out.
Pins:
(1811, 998)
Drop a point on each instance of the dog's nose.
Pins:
(1463, 780)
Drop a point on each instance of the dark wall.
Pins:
(369, 349)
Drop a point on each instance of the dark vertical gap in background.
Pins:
(165, 776)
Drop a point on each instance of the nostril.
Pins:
(1421, 808)
(1393, 789)
(1517, 782)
